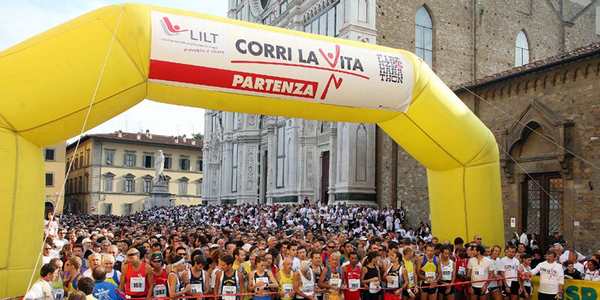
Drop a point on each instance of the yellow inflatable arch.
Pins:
(116, 56)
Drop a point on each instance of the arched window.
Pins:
(521, 49)
(424, 35)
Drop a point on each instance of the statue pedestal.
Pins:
(159, 195)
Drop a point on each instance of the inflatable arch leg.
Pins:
(47, 82)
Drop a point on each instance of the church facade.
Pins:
(265, 159)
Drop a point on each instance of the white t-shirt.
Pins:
(510, 267)
(592, 275)
(494, 268)
(40, 290)
(551, 276)
(59, 244)
(480, 270)
(565, 256)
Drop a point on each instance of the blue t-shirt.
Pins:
(105, 291)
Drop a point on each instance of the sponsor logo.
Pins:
(173, 29)
(390, 69)
(573, 292)
(333, 61)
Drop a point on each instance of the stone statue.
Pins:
(159, 167)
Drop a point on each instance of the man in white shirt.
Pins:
(479, 270)
(42, 289)
(509, 266)
(552, 277)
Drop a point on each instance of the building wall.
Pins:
(471, 40)
(56, 167)
(93, 197)
(565, 101)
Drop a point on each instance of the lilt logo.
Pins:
(195, 35)
(169, 28)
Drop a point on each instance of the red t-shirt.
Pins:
(461, 269)
(135, 281)
(351, 273)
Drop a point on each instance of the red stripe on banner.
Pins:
(231, 79)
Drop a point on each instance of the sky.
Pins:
(36, 16)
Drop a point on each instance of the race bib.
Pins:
(137, 284)
(354, 284)
(160, 291)
(392, 282)
(411, 278)
(196, 288)
(308, 288)
(462, 271)
(430, 276)
(227, 289)
(374, 287)
(264, 280)
(446, 275)
(287, 288)
(335, 282)
(58, 294)
(477, 271)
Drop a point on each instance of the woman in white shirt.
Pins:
(552, 277)
(592, 273)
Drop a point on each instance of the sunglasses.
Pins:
(181, 254)
(132, 254)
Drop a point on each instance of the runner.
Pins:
(113, 276)
(393, 276)
(198, 280)
(134, 277)
(525, 287)
(285, 279)
(157, 287)
(351, 275)
(371, 277)
(331, 278)
(42, 288)
(551, 278)
(461, 262)
(428, 273)
(448, 270)
(508, 267)
(103, 290)
(410, 275)
(495, 286)
(178, 278)
(316, 265)
(261, 281)
(71, 274)
(481, 273)
(58, 287)
(94, 260)
(228, 281)
(304, 282)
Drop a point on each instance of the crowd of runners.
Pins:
(289, 252)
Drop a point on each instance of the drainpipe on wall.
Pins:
(394, 174)
(474, 67)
